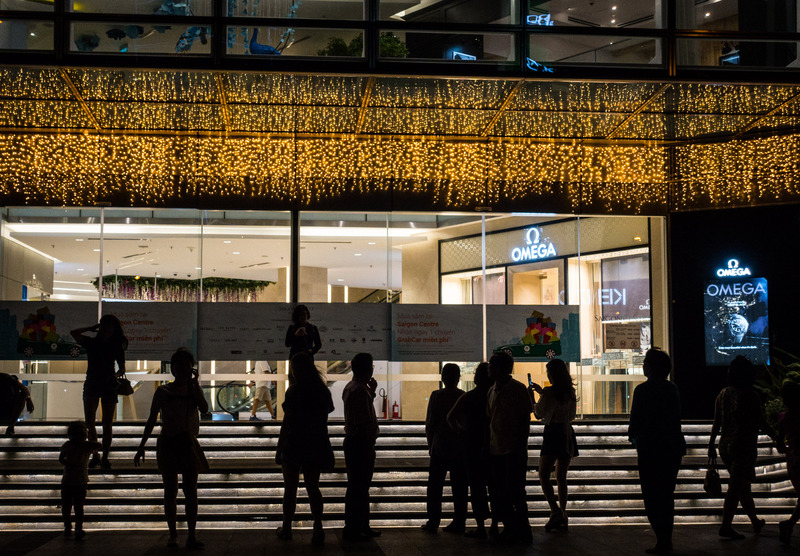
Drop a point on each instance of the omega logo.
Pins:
(536, 247)
(733, 270)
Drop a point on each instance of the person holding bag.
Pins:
(177, 449)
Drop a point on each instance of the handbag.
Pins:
(124, 386)
(712, 484)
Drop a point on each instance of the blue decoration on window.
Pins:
(533, 65)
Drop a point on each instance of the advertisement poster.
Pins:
(436, 332)
(736, 321)
(248, 331)
(625, 299)
(535, 333)
(627, 335)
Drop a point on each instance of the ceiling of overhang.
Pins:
(174, 102)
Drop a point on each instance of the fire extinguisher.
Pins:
(395, 411)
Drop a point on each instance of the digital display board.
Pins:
(736, 318)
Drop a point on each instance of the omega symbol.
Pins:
(528, 236)
(733, 263)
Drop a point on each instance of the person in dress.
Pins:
(74, 457)
(104, 350)
(556, 408)
(178, 452)
(738, 418)
(304, 445)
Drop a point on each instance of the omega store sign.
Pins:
(736, 316)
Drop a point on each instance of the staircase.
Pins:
(244, 487)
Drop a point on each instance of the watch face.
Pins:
(738, 325)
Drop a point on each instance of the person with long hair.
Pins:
(302, 336)
(103, 350)
(738, 418)
(304, 445)
(180, 403)
(556, 408)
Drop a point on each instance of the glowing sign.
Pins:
(535, 249)
(463, 56)
(733, 270)
(541, 20)
(536, 66)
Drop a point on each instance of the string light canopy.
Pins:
(192, 138)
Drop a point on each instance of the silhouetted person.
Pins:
(509, 407)
(789, 443)
(557, 407)
(468, 417)
(103, 350)
(655, 432)
(14, 398)
(304, 444)
(302, 336)
(738, 417)
(74, 457)
(444, 447)
(262, 393)
(180, 403)
(360, 433)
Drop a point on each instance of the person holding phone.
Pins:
(103, 350)
(302, 336)
(180, 403)
(556, 408)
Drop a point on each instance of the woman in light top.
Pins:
(556, 408)
(177, 450)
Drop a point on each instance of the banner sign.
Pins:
(736, 320)
(436, 332)
(534, 333)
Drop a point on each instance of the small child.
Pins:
(789, 442)
(74, 457)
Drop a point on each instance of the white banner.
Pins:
(436, 332)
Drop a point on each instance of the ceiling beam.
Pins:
(76, 93)
(638, 110)
(500, 111)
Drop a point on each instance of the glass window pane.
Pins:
(27, 5)
(605, 50)
(600, 13)
(136, 38)
(307, 9)
(25, 34)
(468, 11)
(143, 7)
(734, 54)
(289, 41)
(735, 15)
(459, 47)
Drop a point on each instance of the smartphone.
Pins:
(530, 381)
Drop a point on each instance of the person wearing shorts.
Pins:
(262, 391)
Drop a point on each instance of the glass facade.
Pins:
(415, 289)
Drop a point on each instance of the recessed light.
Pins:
(96, 250)
(637, 238)
(358, 254)
(236, 253)
(371, 243)
(708, 14)
(79, 270)
(340, 279)
(198, 268)
(613, 21)
(78, 239)
(33, 34)
(158, 276)
(613, 8)
(226, 241)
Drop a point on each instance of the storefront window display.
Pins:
(414, 289)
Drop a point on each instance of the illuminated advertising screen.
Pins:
(736, 319)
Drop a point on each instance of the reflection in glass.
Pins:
(460, 47)
(21, 34)
(736, 15)
(289, 41)
(600, 13)
(733, 54)
(143, 7)
(465, 11)
(134, 38)
(27, 5)
(550, 49)
(305, 9)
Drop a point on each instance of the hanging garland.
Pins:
(176, 289)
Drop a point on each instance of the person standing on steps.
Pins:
(304, 444)
(738, 417)
(302, 336)
(180, 403)
(14, 399)
(655, 432)
(103, 350)
(262, 390)
(360, 434)
(469, 418)
(509, 407)
(557, 407)
(444, 447)
(74, 457)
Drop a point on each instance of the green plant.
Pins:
(783, 366)
(390, 47)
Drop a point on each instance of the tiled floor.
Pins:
(613, 540)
